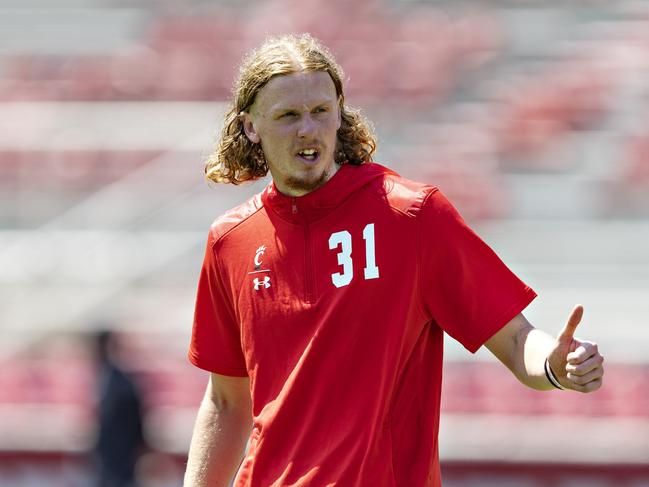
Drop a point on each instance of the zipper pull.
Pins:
(294, 207)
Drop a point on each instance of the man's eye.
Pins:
(288, 115)
(321, 110)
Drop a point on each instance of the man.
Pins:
(322, 301)
(120, 439)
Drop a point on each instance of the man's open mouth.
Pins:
(308, 154)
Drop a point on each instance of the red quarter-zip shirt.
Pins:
(334, 304)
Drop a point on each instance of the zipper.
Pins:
(309, 277)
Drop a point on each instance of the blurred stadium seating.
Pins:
(531, 116)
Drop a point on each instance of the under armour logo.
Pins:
(265, 282)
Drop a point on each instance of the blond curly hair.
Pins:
(235, 158)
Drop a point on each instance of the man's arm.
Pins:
(222, 428)
(576, 364)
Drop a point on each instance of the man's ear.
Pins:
(249, 127)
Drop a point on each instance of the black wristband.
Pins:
(551, 377)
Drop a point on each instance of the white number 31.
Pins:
(344, 241)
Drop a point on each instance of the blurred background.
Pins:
(533, 116)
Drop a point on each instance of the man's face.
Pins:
(296, 118)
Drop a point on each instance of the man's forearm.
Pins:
(536, 348)
(523, 349)
(217, 445)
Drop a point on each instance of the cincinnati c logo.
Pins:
(260, 251)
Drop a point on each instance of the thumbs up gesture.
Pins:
(575, 363)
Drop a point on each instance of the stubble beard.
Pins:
(307, 185)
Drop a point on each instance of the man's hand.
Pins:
(577, 364)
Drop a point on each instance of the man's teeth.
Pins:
(308, 152)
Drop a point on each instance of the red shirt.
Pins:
(334, 304)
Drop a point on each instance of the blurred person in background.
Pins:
(322, 301)
(120, 439)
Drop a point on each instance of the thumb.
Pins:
(569, 329)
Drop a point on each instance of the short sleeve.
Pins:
(215, 342)
(465, 286)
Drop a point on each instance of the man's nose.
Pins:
(307, 126)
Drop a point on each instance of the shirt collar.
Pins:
(319, 202)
